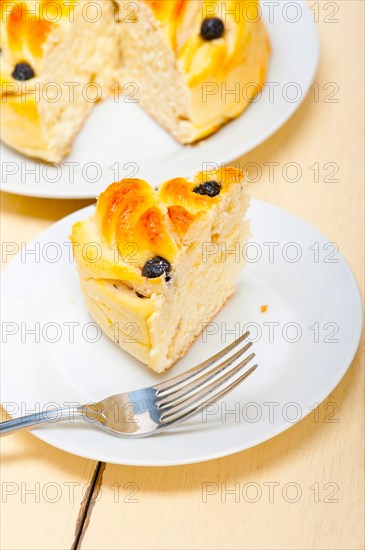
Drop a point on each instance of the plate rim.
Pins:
(351, 352)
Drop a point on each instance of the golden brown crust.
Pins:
(25, 28)
(131, 214)
(180, 218)
(182, 19)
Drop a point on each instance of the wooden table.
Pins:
(51, 499)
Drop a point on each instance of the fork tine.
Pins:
(212, 399)
(173, 385)
(206, 391)
(190, 388)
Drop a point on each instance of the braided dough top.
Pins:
(26, 26)
(200, 59)
(133, 223)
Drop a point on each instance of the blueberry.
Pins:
(209, 188)
(212, 28)
(23, 71)
(155, 267)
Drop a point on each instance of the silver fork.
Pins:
(150, 410)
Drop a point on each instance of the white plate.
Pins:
(315, 301)
(120, 140)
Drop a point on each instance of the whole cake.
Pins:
(191, 64)
(155, 266)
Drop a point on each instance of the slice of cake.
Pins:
(155, 266)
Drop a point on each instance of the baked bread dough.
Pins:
(191, 85)
(191, 64)
(41, 115)
(156, 266)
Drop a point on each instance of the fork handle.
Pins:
(39, 418)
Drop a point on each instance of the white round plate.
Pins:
(304, 344)
(120, 140)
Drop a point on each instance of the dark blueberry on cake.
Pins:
(23, 71)
(212, 28)
(155, 267)
(209, 188)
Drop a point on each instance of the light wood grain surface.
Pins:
(54, 500)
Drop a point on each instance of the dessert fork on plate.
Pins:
(145, 412)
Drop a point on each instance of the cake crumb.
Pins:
(263, 309)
